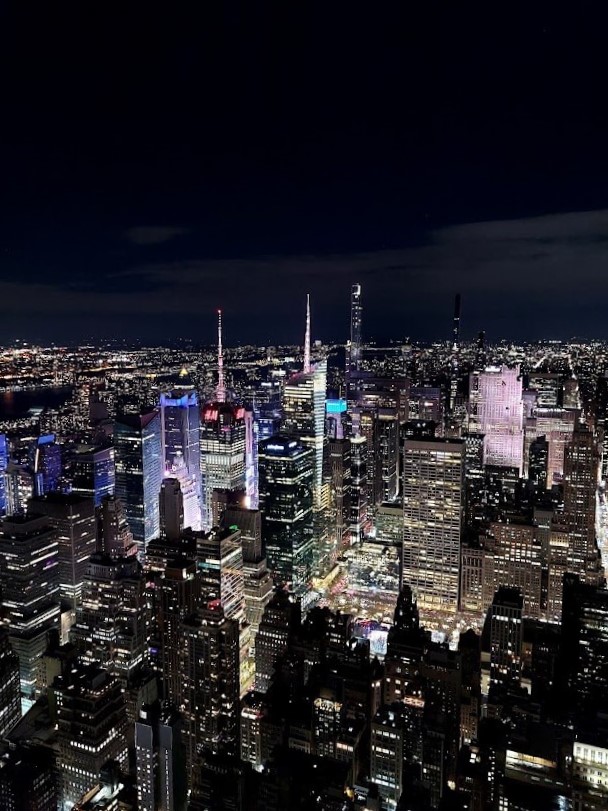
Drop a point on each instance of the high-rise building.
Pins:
(585, 645)
(456, 323)
(433, 507)
(180, 594)
(496, 411)
(46, 465)
(211, 682)
(505, 617)
(223, 447)
(160, 760)
(286, 501)
(180, 421)
(224, 444)
(581, 470)
(341, 477)
(73, 517)
(112, 620)
(359, 517)
(114, 538)
(3, 466)
(279, 623)
(28, 779)
(139, 463)
(91, 728)
(354, 349)
(257, 578)
(10, 688)
(94, 474)
(171, 510)
(29, 581)
(220, 560)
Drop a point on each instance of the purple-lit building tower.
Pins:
(223, 444)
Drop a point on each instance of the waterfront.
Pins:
(17, 404)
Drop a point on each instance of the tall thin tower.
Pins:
(221, 386)
(354, 360)
(307, 337)
(456, 323)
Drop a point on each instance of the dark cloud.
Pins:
(154, 234)
(517, 277)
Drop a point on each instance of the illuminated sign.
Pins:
(335, 406)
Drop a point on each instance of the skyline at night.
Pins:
(422, 152)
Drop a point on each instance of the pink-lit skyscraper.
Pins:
(496, 411)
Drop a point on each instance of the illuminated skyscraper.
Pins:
(29, 580)
(114, 538)
(506, 637)
(433, 511)
(73, 517)
(286, 473)
(160, 763)
(354, 351)
(46, 464)
(111, 621)
(3, 466)
(10, 688)
(94, 473)
(179, 596)
(456, 323)
(223, 440)
(359, 520)
(304, 419)
(223, 446)
(581, 470)
(139, 464)
(91, 728)
(280, 622)
(496, 411)
(211, 682)
(180, 420)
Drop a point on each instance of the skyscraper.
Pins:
(73, 517)
(112, 619)
(91, 728)
(159, 760)
(279, 623)
(3, 466)
(433, 506)
(46, 464)
(138, 458)
(180, 421)
(171, 510)
(581, 464)
(354, 352)
(506, 637)
(94, 474)
(496, 411)
(10, 688)
(114, 538)
(211, 682)
(29, 581)
(456, 323)
(223, 444)
(180, 593)
(257, 579)
(286, 473)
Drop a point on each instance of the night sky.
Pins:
(155, 165)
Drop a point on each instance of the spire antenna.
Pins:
(221, 386)
(307, 337)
